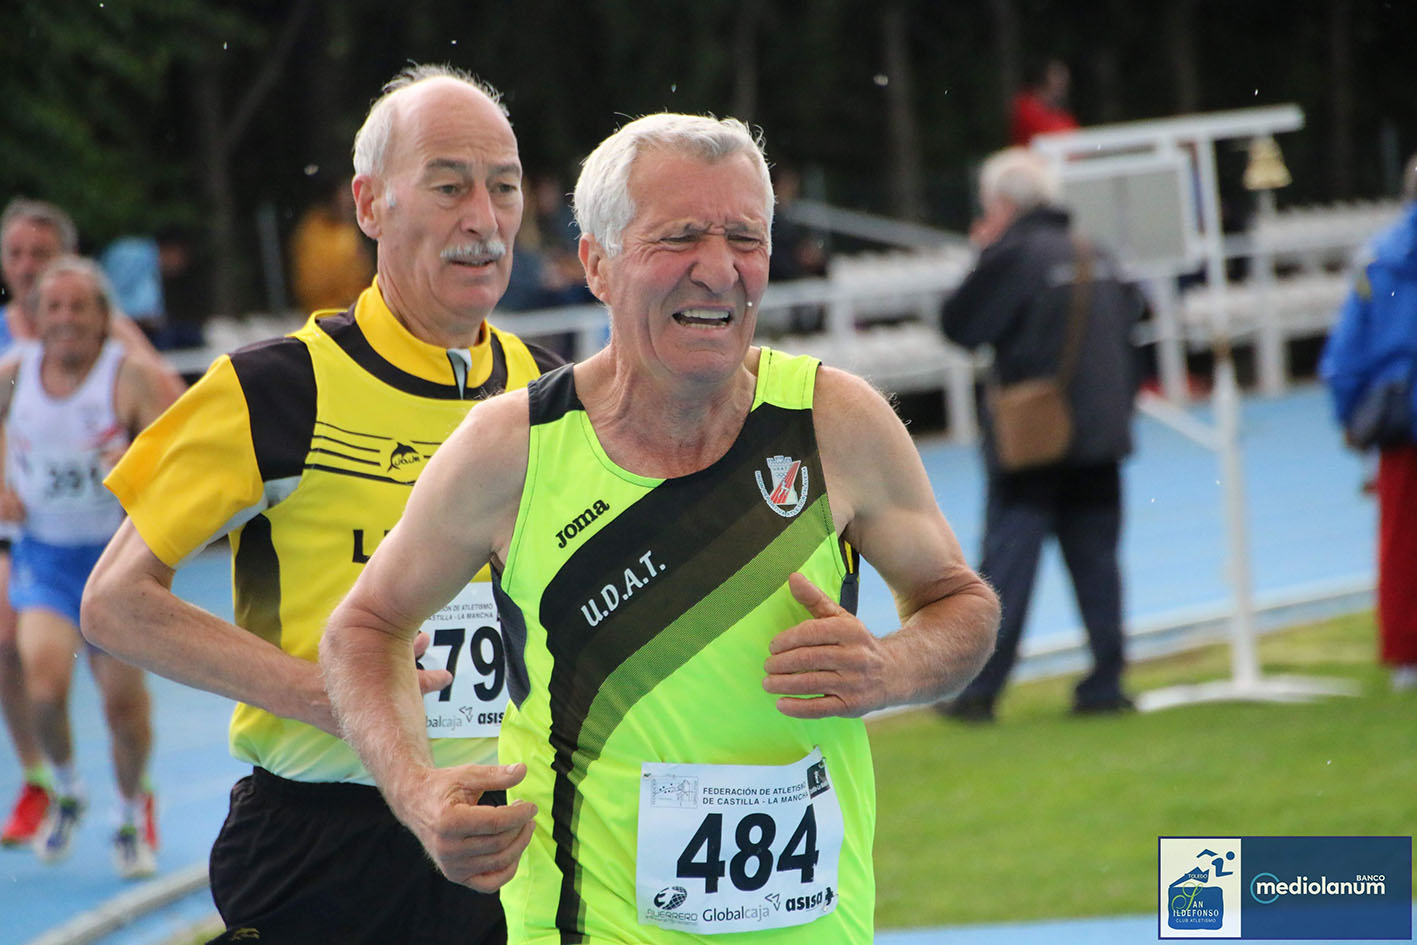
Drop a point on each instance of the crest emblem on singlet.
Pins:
(785, 489)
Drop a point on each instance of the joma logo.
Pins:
(576, 525)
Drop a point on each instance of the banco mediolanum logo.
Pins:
(788, 492)
(576, 525)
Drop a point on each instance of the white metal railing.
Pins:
(877, 314)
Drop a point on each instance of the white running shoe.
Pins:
(56, 836)
(133, 856)
(1404, 678)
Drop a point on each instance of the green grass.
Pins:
(1046, 816)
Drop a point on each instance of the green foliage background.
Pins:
(138, 113)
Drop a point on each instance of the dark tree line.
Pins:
(137, 114)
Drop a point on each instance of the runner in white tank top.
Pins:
(59, 448)
(70, 406)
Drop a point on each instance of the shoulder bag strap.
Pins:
(1079, 309)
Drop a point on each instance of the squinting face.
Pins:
(684, 290)
(26, 247)
(70, 317)
(447, 209)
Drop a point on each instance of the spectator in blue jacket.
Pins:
(1369, 364)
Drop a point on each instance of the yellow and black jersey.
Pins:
(304, 450)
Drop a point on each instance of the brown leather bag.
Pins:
(1033, 421)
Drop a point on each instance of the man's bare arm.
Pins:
(884, 506)
(142, 392)
(459, 517)
(129, 610)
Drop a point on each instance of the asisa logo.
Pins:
(787, 493)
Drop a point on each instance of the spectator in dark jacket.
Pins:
(1017, 301)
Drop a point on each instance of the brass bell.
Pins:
(1266, 170)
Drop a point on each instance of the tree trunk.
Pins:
(1010, 58)
(1180, 33)
(907, 181)
(1340, 57)
(745, 59)
(219, 132)
(216, 183)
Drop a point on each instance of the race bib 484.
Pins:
(735, 848)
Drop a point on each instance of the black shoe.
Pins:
(1109, 706)
(973, 711)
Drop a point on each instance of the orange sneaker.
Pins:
(147, 824)
(27, 815)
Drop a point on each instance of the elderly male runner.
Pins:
(674, 526)
(304, 449)
(33, 233)
(70, 406)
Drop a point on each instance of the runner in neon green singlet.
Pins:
(648, 608)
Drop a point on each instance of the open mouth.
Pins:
(704, 317)
(480, 262)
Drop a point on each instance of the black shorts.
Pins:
(301, 863)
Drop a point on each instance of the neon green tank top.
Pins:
(638, 612)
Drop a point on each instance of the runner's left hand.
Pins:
(831, 659)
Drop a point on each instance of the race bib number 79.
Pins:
(735, 848)
(466, 640)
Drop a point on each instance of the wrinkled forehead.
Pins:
(673, 187)
(449, 122)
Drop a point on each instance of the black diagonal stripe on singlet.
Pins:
(345, 331)
(699, 532)
(552, 395)
(277, 380)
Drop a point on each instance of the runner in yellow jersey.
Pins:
(672, 526)
(303, 449)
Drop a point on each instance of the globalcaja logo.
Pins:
(1326, 888)
(1201, 875)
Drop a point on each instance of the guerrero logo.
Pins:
(670, 897)
(789, 485)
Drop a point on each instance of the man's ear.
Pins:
(594, 262)
(369, 205)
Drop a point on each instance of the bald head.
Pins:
(371, 144)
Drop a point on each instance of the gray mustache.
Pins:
(477, 253)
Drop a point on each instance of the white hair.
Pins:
(80, 266)
(1022, 177)
(371, 143)
(45, 214)
(602, 201)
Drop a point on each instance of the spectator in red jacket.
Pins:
(1042, 104)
